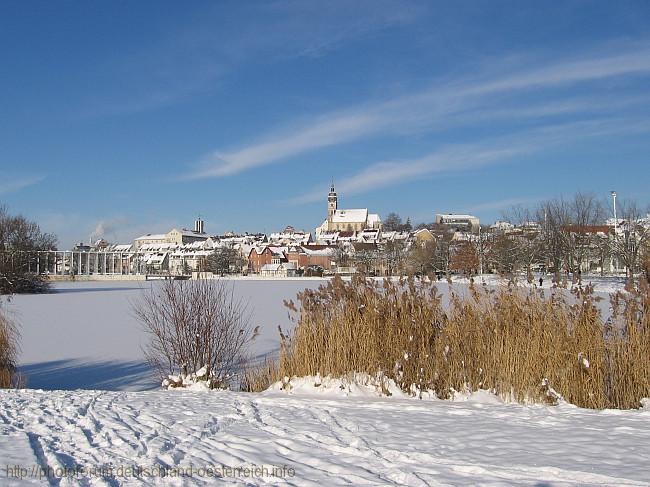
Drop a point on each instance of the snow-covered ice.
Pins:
(326, 440)
(84, 334)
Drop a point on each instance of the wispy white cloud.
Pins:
(450, 102)
(324, 133)
(8, 185)
(462, 157)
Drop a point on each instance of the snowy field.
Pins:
(313, 440)
(84, 334)
(84, 337)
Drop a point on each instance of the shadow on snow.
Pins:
(110, 375)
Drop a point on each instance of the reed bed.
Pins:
(524, 345)
(9, 338)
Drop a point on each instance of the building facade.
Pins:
(349, 220)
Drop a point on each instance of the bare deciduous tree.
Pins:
(502, 255)
(632, 239)
(19, 240)
(422, 258)
(196, 324)
(225, 260)
(394, 255)
(465, 258)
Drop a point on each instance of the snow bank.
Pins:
(364, 440)
(356, 385)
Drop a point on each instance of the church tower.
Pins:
(331, 206)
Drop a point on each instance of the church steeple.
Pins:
(331, 203)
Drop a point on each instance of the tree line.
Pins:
(562, 237)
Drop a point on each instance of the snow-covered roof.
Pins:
(327, 251)
(122, 248)
(156, 247)
(457, 216)
(350, 216)
(373, 219)
(189, 233)
(155, 236)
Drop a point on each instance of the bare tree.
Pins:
(580, 236)
(465, 258)
(502, 255)
(422, 258)
(225, 260)
(341, 256)
(394, 254)
(366, 259)
(392, 222)
(629, 243)
(569, 231)
(20, 239)
(529, 247)
(195, 324)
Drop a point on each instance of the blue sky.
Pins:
(124, 118)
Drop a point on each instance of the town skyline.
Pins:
(244, 114)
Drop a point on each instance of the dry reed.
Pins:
(9, 338)
(521, 344)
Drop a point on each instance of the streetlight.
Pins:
(613, 193)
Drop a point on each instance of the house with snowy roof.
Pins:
(290, 236)
(258, 257)
(349, 220)
(179, 237)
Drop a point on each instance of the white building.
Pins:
(459, 222)
(179, 237)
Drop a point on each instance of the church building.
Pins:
(353, 220)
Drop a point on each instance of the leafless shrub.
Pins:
(195, 324)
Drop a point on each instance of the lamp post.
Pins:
(613, 193)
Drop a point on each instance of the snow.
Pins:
(320, 439)
(85, 336)
(355, 430)
(359, 215)
(602, 284)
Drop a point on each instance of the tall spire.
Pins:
(332, 203)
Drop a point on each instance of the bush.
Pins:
(519, 343)
(195, 326)
(9, 339)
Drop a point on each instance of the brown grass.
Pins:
(9, 337)
(511, 341)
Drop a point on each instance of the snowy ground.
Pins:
(85, 336)
(322, 440)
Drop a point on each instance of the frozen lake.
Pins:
(84, 334)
